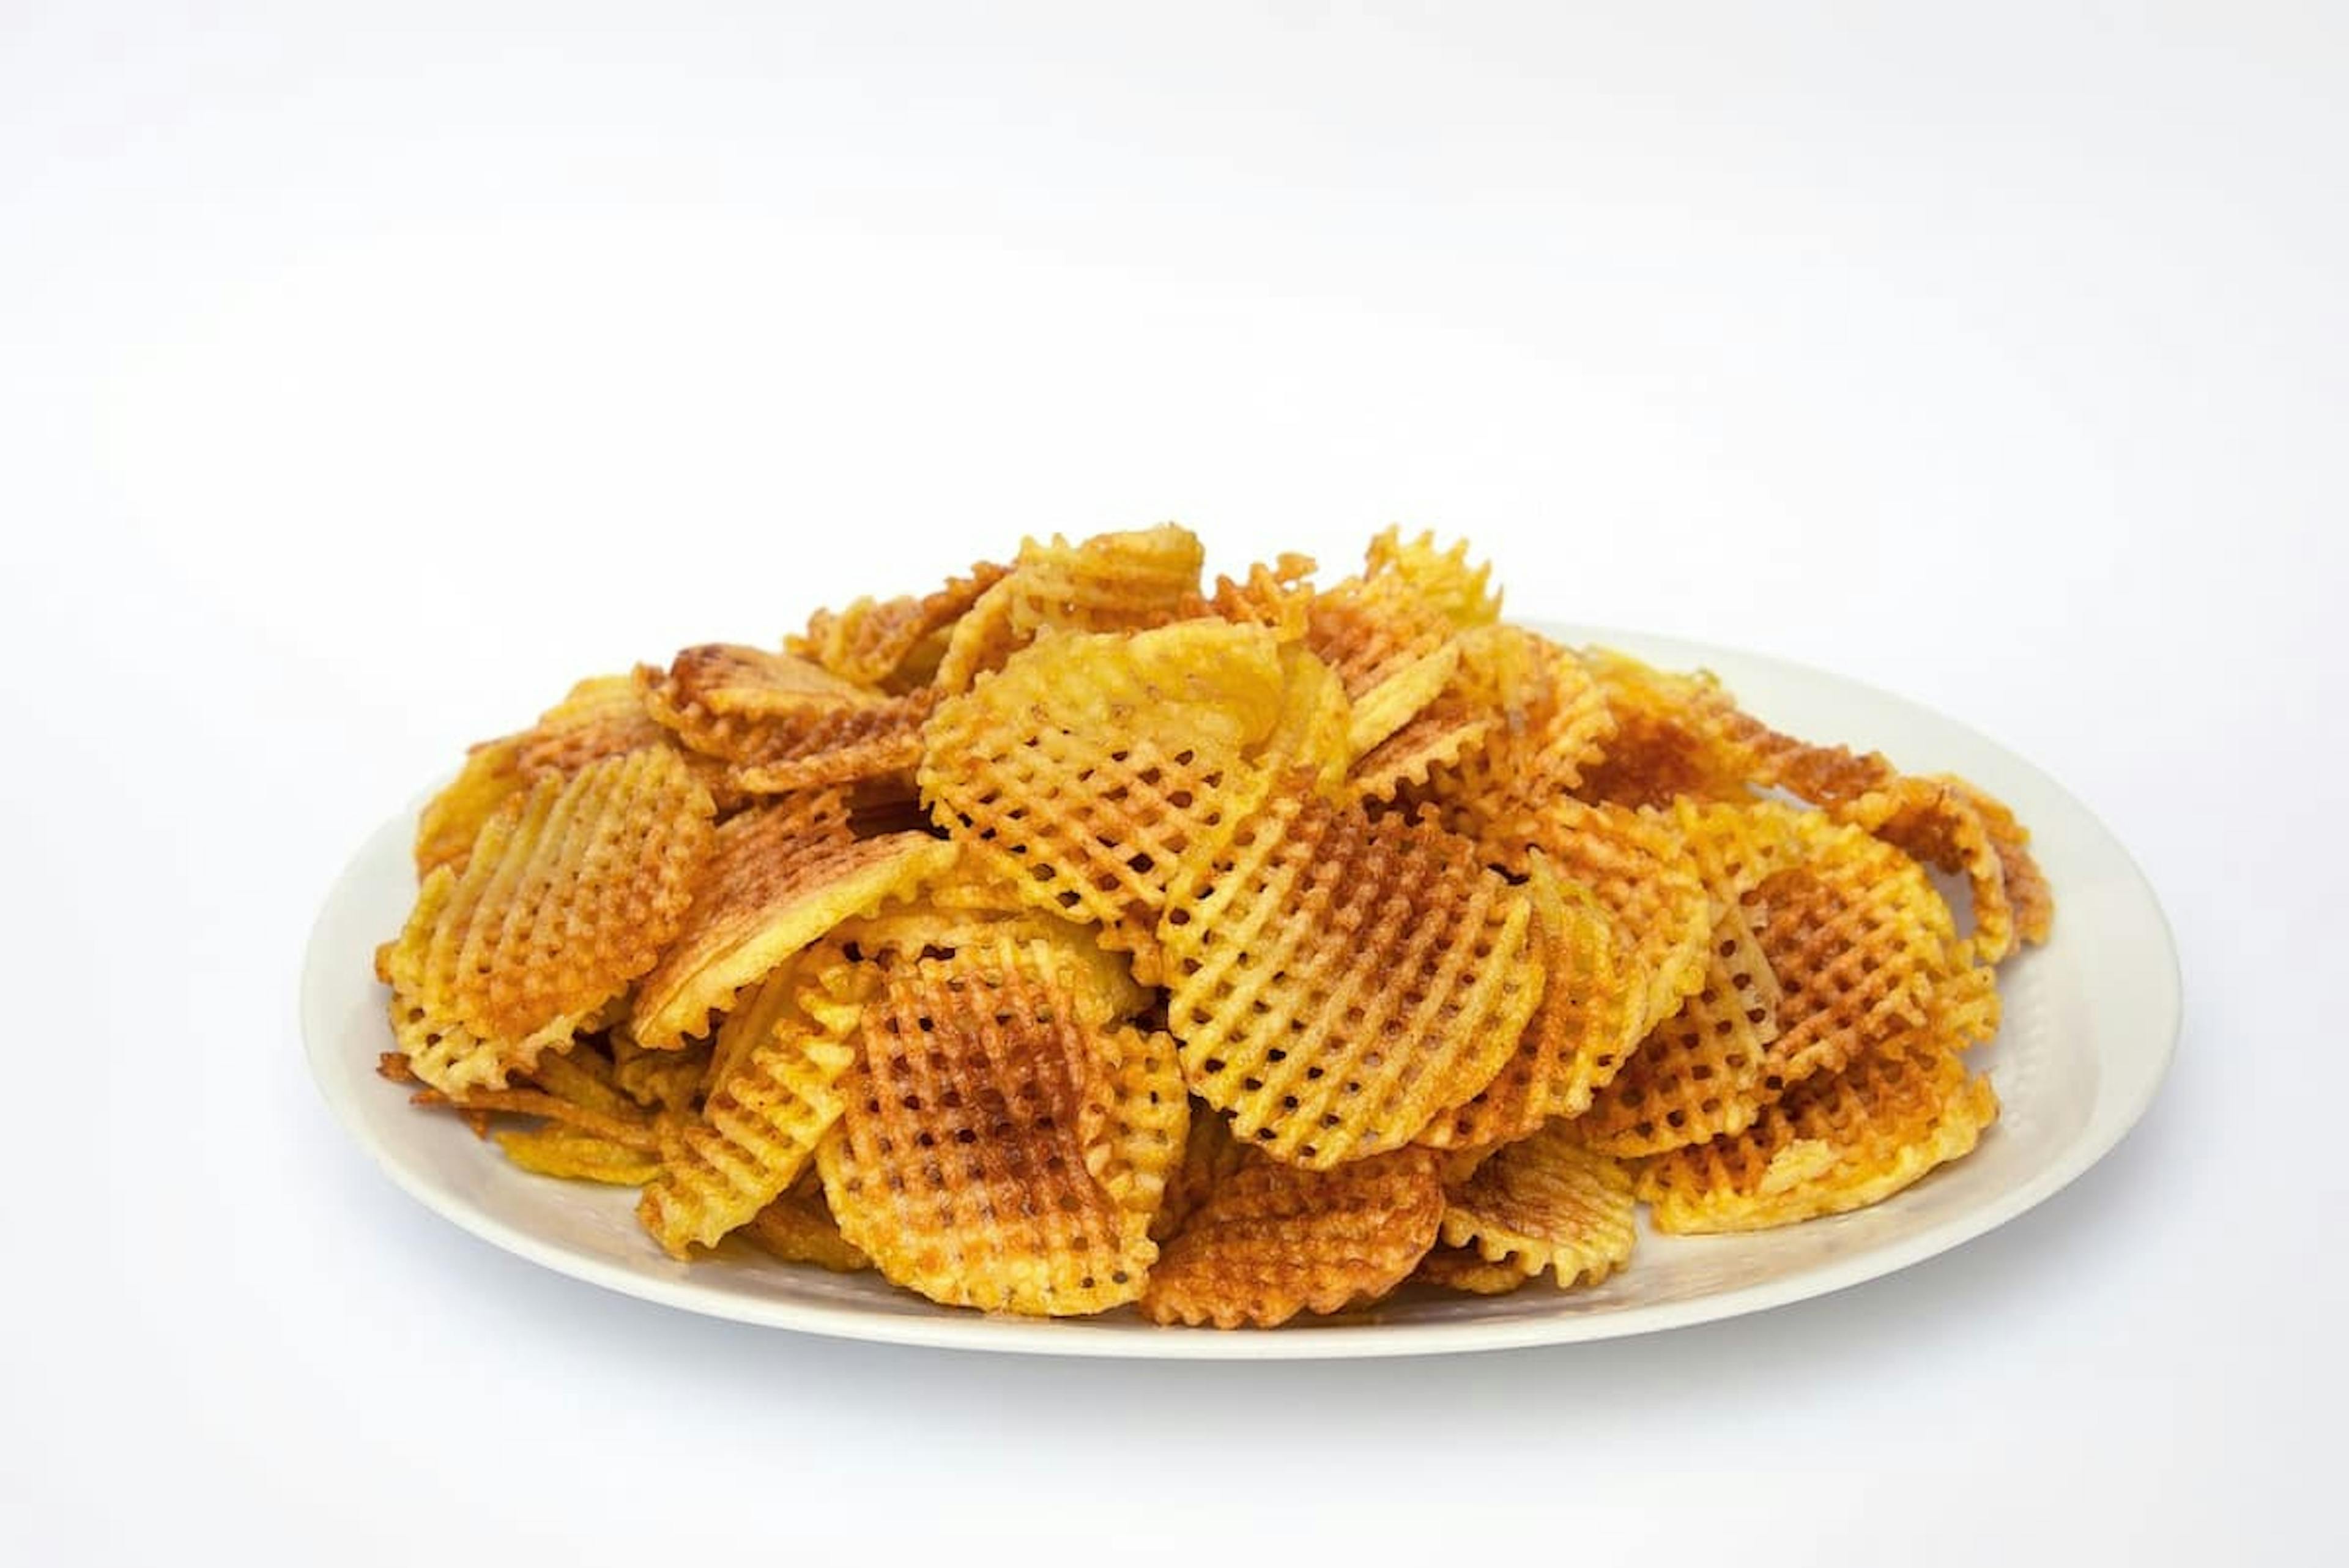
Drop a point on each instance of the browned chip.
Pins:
(1210, 1154)
(569, 893)
(1112, 582)
(962, 1165)
(1272, 1240)
(1338, 979)
(1550, 722)
(1547, 1204)
(1464, 1269)
(1577, 1038)
(798, 1227)
(1949, 824)
(893, 644)
(1642, 873)
(784, 875)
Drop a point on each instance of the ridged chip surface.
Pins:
(780, 877)
(1271, 1241)
(1338, 979)
(1641, 873)
(570, 893)
(798, 1227)
(755, 1136)
(964, 1163)
(1550, 724)
(1110, 583)
(1842, 1141)
(1080, 772)
(893, 644)
(1547, 1204)
(1578, 1038)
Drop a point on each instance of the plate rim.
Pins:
(950, 1328)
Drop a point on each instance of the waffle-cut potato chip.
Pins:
(1109, 583)
(630, 1131)
(1396, 701)
(1578, 1037)
(1551, 722)
(806, 729)
(1439, 735)
(1643, 875)
(1272, 1240)
(453, 819)
(1841, 1141)
(962, 1164)
(1463, 1269)
(555, 1149)
(603, 716)
(1103, 985)
(896, 644)
(1210, 1154)
(1443, 579)
(1705, 1071)
(569, 894)
(1670, 735)
(713, 683)
(755, 1135)
(1369, 629)
(1547, 1204)
(1081, 771)
(1273, 595)
(798, 1227)
(585, 1076)
(1338, 979)
(1948, 824)
(1145, 1140)
(772, 888)
(659, 1080)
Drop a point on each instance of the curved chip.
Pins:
(1842, 1141)
(963, 1163)
(798, 1227)
(1394, 702)
(1337, 980)
(778, 881)
(553, 1149)
(752, 1138)
(1210, 1154)
(1550, 725)
(569, 893)
(453, 819)
(1547, 1204)
(1578, 1037)
(1109, 583)
(1080, 772)
(1443, 579)
(893, 644)
(1463, 1269)
(1641, 873)
(1949, 824)
(1272, 1240)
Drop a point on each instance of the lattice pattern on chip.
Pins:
(1946, 823)
(1337, 980)
(1551, 724)
(663, 1080)
(1464, 1269)
(453, 819)
(1272, 1240)
(1110, 583)
(794, 726)
(1273, 595)
(1081, 772)
(1706, 1070)
(1394, 702)
(1210, 1154)
(1640, 871)
(893, 644)
(1576, 1042)
(782, 876)
(1443, 579)
(752, 1138)
(1547, 1204)
(1841, 1141)
(569, 893)
(963, 1162)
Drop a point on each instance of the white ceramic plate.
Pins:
(2091, 1021)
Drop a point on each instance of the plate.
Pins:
(2091, 1022)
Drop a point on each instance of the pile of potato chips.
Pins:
(1077, 935)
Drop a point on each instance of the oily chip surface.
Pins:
(1066, 939)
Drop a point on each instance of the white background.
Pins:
(366, 374)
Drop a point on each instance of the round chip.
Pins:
(1547, 1204)
(1550, 724)
(1338, 979)
(1272, 1240)
(1112, 582)
(964, 1164)
(894, 645)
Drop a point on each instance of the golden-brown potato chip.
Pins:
(1707, 1069)
(1210, 1154)
(601, 717)
(962, 1163)
(569, 893)
(1394, 702)
(1577, 1038)
(1550, 724)
(775, 884)
(1080, 772)
(555, 1149)
(1274, 597)
(1946, 823)
(1142, 1146)
(1841, 1141)
(1642, 874)
(755, 1135)
(779, 724)
(453, 819)
(663, 1080)
(1272, 1240)
(1110, 583)
(1443, 579)
(1464, 1269)
(584, 1075)
(798, 1227)
(1547, 1204)
(1337, 980)
(893, 644)
(631, 1130)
